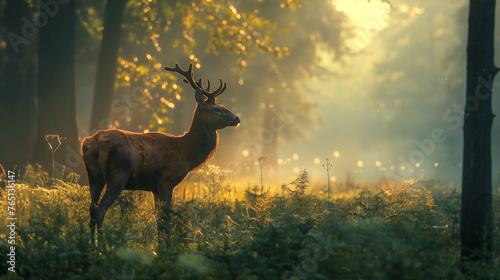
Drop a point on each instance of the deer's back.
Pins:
(148, 156)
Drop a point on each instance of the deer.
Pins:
(155, 162)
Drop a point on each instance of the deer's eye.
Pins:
(218, 110)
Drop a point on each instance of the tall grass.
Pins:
(391, 231)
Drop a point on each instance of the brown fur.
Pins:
(154, 161)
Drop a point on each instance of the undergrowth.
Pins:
(393, 231)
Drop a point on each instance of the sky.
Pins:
(394, 111)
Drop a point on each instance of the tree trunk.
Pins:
(107, 64)
(56, 91)
(17, 89)
(476, 226)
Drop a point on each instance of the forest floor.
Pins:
(390, 230)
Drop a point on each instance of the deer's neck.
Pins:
(201, 142)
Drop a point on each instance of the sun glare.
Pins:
(367, 17)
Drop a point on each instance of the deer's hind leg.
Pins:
(114, 187)
(117, 172)
(96, 187)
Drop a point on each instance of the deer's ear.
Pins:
(200, 98)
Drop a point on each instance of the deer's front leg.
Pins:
(162, 217)
(163, 201)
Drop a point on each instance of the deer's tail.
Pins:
(90, 154)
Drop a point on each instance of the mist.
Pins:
(379, 112)
(396, 111)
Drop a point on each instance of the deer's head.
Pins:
(208, 110)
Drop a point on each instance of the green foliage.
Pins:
(396, 232)
(182, 31)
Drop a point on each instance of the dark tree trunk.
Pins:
(476, 226)
(56, 92)
(17, 88)
(107, 64)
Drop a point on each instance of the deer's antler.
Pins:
(188, 79)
